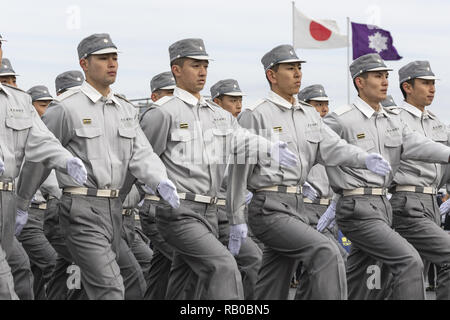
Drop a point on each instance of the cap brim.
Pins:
(105, 51)
(200, 57)
(379, 69)
(320, 99)
(234, 94)
(166, 88)
(9, 74)
(428, 78)
(44, 99)
(291, 60)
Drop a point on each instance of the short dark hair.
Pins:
(177, 62)
(275, 69)
(363, 75)
(411, 82)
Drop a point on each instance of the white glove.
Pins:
(376, 163)
(327, 220)
(76, 169)
(148, 190)
(168, 192)
(21, 221)
(238, 232)
(248, 197)
(2, 167)
(283, 155)
(444, 209)
(309, 191)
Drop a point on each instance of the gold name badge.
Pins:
(87, 121)
(277, 129)
(360, 135)
(184, 126)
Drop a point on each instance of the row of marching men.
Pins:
(200, 171)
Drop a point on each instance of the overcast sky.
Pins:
(43, 36)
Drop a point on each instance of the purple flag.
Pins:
(371, 39)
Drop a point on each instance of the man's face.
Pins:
(422, 93)
(321, 107)
(230, 103)
(375, 86)
(288, 78)
(101, 68)
(41, 106)
(192, 75)
(11, 80)
(158, 94)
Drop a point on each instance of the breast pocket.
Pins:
(125, 145)
(183, 147)
(392, 146)
(367, 144)
(218, 144)
(20, 127)
(90, 139)
(439, 136)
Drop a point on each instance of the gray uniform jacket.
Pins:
(381, 132)
(194, 139)
(105, 134)
(302, 128)
(418, 173)
(318, 178)
(24, 135)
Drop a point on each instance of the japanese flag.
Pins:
(316, 34)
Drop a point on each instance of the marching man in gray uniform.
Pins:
(363, 212)
(102, 129)
(7, 73)
(316, 96)
(276, 212)
(24, 135)
(161, 85)
(190, 134)
(40, 252)
(416, 213)
(228, 95)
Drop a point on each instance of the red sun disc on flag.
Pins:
(319, 32)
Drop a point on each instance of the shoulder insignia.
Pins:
(163, 100)
(12, 87)
(256, 104)
(118, 95)
(66, 94)
(393, 110)
(343, 109)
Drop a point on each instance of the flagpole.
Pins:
(293, 21)
(348, 60)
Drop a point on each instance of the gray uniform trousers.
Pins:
(366, 220)
(202, 268)
(131, 271)
(41, 254)
(92, 227)
(158, 277)
(21, 270)
(313, 213)
(57, 286)
(276, 219)
(249, 258)
(143, 254)
(7, 220)
(417, 219)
